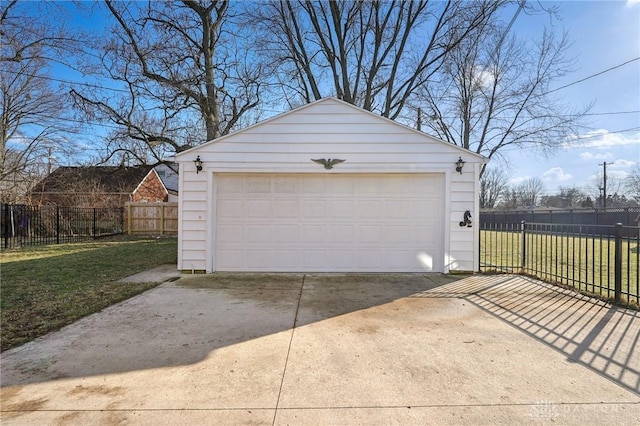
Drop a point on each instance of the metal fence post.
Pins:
(618, 262)
(524, 246)
(57, 224)
(6, 226)
(95, 218)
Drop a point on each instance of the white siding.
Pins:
(327, 129)
(192, 228)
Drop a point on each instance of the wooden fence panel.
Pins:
(152, 218)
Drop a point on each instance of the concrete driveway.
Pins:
(334, 349)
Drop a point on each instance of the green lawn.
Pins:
(586, 263)
(45, 288)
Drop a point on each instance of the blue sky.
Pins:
(604, 34)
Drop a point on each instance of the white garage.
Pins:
(269, 198)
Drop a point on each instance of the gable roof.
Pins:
(332, 100)
(111, 179)
(168, 174)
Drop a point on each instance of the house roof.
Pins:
(329, 100)
(110, 179)
(168, 174)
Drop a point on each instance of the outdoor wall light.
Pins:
(198, 163)
(459, 165)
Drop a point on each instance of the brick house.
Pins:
(160, 184)
(105, 186)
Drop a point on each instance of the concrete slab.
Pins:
(158, 274)
(535, 414)
(331, 348)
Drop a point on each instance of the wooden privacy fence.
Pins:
(151, 218)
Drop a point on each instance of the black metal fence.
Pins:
(22, 225)
(590, 258)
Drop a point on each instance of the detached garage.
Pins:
(328, 187)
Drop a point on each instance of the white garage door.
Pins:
(329, 223)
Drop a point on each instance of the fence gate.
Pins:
(152, 218)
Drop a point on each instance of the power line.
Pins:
(72, 120)
(591, 114)
(592, 76)
(631, 129)
(613, 113)
(60, 80)
(513, 20)
(522, 148)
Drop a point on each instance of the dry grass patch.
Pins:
(45, 288)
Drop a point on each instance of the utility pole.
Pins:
(50, 160)
(419, 123)
(604, 185)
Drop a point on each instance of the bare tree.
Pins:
(632, 184)
(188, 75)
(566, 198)
(510, 199)
(493, 185)
(615, 189)
(494, 92)
(529, 192)
(32, 119)
(373, 54)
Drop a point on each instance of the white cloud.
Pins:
(631, 3)
(602, 139)
(617, 174)
(595, 156)
(483, 78)
(556, 174)
(519, 179)
(623, 164)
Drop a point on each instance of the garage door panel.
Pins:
(331, 222)
(286, 233)
(314, 185)
(232, 260)
(314, 260)
(340, 187)
(230, 186)
(260, 209)
(286, 260)
(398, 209)
(258, 185)
(283, 185)
(259, 258)
(313, 234)
(230, 208)
(313, 209)
(337, 209)
(229, 233)
(258, 234)
(341, 234)
(398, 234)
(397, 185)
(341, 260)
(369, 259)
(368, 234)
(399, 259)
(285, 209)
(370, 209)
